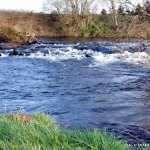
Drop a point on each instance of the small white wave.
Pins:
(135, 58)
(3, 55)
(124, 78)
(67, 45)
(59, 54)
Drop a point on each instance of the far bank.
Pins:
(14, 26)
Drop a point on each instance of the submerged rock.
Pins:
(41, 46)
(21, 54)
(87, 55)
(16, 53)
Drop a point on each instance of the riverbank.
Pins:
(44, 133)
(14, 26)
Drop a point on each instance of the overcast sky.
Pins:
(28, 5)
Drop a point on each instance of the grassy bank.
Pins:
(14, 26)
(45, 134)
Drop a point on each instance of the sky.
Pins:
(26, 5)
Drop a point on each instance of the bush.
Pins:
(90, 30)
(104, 29)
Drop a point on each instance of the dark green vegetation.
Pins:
(45, 134)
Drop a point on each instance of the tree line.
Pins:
(88, 7)
(84, 7)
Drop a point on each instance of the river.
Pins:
(95, 84)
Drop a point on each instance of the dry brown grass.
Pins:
(139, 28)
(15, 25)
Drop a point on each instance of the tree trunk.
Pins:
(114, 13)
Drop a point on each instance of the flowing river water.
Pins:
(97, 84)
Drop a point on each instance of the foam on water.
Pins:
(60, 52)
(135, 58)
(4, 55)
(99, 58)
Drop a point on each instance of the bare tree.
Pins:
(113, 9)
(114, 12)
(147, 6)
(60, 6)
(113, 6)
(74, 7)
(87, 6)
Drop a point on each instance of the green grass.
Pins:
(45, 134)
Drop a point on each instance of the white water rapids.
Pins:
(99, 58)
